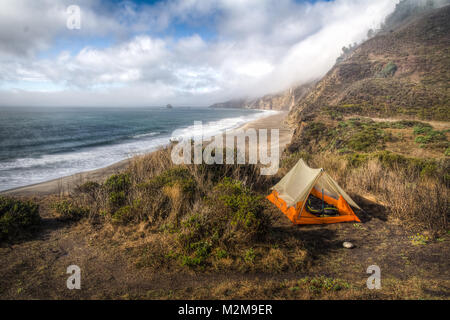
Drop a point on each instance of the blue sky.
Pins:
(179, 51)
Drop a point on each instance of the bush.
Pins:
(221, 253)
(116, 199)
(117, 186)
(412, 166)
(314, 131)
(122, 215)
(367, 139)
(89, 187)
(168, 195)
(201, 251)
(422, 128)
(230, 217)
(351, 135)
(426, 135)
(243, 209)
(17, 216)
(357, 159)
(118, 183)
(249, 255)
(389, 70)
(68, 211)
(171, 177)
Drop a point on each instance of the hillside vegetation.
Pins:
(403, 73)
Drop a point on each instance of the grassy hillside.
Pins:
(403, 73)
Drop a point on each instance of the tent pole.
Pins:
(304, 202)
(322, 203)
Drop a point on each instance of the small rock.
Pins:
(348, 245)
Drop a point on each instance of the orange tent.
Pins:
(291, 193)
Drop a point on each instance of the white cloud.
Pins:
(260, 46)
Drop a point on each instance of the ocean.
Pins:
(41, 144)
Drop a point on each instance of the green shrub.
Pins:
(367, 139)
(68, 211)
(122, 215)
(426, 135)
(429, 169)
(221, 253)
(249, 255)
(89, 187)
(169, 194)
(17, 216)
(200, 252)
(314, 131)
(174, 176)
(419, 239)
(231, 216)
(357, 159)
(117, 199)
(351, 135)
(389, 70)
(424, 167)
(118, 183)
(347, 109)
(422, 128)
(117, 187)
(245, 208)
(194, 228)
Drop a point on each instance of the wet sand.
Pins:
(64, 184)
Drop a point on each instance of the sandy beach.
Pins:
(64, 184)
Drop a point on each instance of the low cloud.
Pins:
(245, 48)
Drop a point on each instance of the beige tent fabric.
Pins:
(297, 184)
(339, 190)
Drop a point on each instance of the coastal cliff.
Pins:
(282, 101)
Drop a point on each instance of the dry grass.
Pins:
(275, 260)
(307, 288)
(417, 201)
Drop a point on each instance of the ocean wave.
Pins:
(212, 128)
(30, 170)
(143, 135)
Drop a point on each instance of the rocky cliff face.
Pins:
(281, 101)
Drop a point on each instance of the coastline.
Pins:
(64, 184)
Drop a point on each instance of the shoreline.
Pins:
(64, 184)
